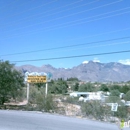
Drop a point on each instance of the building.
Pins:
(86, 96)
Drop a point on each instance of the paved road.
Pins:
(19, 120)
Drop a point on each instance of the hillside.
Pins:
(91, 71)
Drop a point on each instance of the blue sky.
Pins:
(38, 25)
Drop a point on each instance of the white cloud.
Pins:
(85, 62)
(96, 60)
(125, 62)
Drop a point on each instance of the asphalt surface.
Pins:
(22, 120)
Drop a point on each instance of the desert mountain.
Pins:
(91, 71)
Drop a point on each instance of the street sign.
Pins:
(49, 76)
(36, 79)
(114, 106)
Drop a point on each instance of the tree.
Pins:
(58, 87)
(104, 88)
(88, 87)
(11, 82)
(75, 87)
(117, 87)
(115, 93)
(125, 89)
(72, 79)
(114, 99)
(127, 96)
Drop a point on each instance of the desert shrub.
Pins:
(95, 109)
(39, 101)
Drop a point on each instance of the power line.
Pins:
(95, 35)
(58, 27)
(92, 16)
(9, 4)
(69, 15)
(47, 11)
(76, 56)
(19, 5)
(88, 47)
(62, 47)
(71, 8)
(89, 21)
(61, 25)
(99, 34)
(99, 45)
(16, 21)
(34, 8)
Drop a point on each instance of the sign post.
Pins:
(28, 92)
(46, 89)
(36, 77)
(114, 108)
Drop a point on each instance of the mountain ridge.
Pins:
(91, 71)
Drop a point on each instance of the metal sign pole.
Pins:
(28, 92)
(46, 88)
(113, 116)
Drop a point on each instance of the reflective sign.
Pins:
(114, 106)
(36, 79)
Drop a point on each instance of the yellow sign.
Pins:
(36, 79)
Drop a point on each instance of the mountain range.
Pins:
(91, 71)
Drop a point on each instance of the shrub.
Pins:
(95, 110)
(127, 96)
(39, 101)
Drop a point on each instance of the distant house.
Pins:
(127, 103)
(79, 94)
(86, 96)
(121, 95)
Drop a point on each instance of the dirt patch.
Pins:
(70, 109)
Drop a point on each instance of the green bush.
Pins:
(127, 96)
(114, 99)
(125, 89)
(72, 100)
(115, 92)
(88, 87)
(11, 82)
(40, 101)
(104, 88)
(122, 112)
(75, 87)
(45, 103)
(58, 87)
(95, 110)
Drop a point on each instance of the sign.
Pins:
(36, 79)
(114, 106)
(49, 76)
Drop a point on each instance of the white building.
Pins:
(127, 103)
(86, 96)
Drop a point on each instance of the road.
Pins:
(22, 120)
